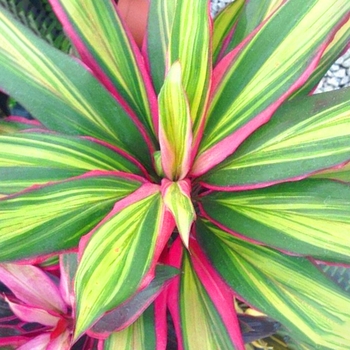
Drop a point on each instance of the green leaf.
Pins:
(11, 125)
(160, 20)
(175, 134)
(263, 73)
(62, 94)
(52, 218)
(289, 289)
(340, 173)
(141, 335)
(39, 17)
(200, 321)
(28, 159)
(308, 217)
(98, 34)
(334, 49)
(253, 14)
(120, 254)
(292, 144)
(124, 315)
(190, 44)
(177, 199)
(224, 24)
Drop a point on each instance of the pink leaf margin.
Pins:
(220, 151)
(271, 183)
(167, 225)
(89, 60)
(219, 292)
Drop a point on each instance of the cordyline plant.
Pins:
(204, 152)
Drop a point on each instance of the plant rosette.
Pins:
(203, 152)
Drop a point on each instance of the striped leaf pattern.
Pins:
(253, 14)
(308, 217)
(119, 67)
(160, 20)
(53, 157)
(224, 23)
(58, 91)
(190, 45)
(340, 173)
(13, 124)
(334, 49)
(292, 145)
(258, 84)
(290, 289)
(175, 134)
(200, 321)
(177, 199)
(126, 314)
(58, 215)
(141, 335)
(122, 248)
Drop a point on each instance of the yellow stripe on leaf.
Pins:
(175, 134)
(117, 258)
(289, 289)
(190, 44)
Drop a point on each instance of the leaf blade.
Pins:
(291, 146)
(135, 226)
(36, 158)
(292, 290)
(251, 104)
(195, 306)
(128, 312)
(308, 217)
(140, 335)
(190, 44)
(175, 134)
(57, 90)
(92, 27)
(58, 214)
(160, 19)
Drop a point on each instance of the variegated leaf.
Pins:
(126, 314)
(201, 306)
(175, 127)
(177, 198)
(224, 25)
(190, 45)
(308, 217)
(13, 124)
(51, 218)
(28, 159)
(304, 136)
(340, 173)
(119, 256)
(253, 14)
(61, 93)
(263, 73)
(141, 335)
(289, 289)
(334, 49)
(102, 42)
(160, 20)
